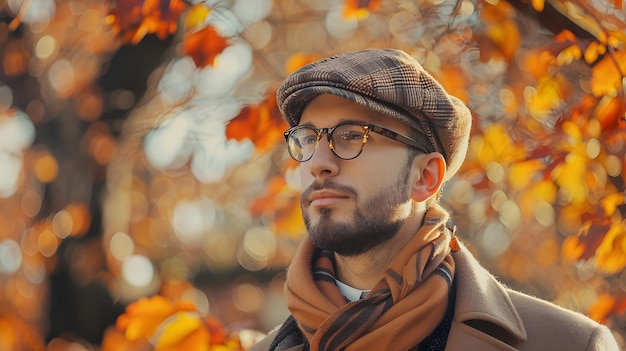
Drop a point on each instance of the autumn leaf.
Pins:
(204, 45)
(262, 124)
(522, 173)
(538, 62)
(143, 316)
(538, 5)
(496, 145)
(507, 37)
(610, 112)
(546, 97)
(359, 9)
(591, 236)
(611, 201)
(602, 307)
(298, 60)
(115, 340)
(182, 331)
(593, 51)
(611, 253)
(454, 82)
(196, 16)
(572, 249)
(281, 205)
(133, 19)
(608, 74)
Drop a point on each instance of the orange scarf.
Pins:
(402, 310)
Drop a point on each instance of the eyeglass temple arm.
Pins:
(399, 137)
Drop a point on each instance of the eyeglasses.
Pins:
(346, 140)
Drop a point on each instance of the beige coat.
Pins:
(490, 317)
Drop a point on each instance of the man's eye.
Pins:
(351, 136)
(308, 140)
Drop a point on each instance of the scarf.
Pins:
(403, 309)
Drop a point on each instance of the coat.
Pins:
(491, 317)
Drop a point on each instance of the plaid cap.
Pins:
(389, 82)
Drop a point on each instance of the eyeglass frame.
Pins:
(389, 134)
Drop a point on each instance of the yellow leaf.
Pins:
(544, 190)
(545, 98)
(573, 132)
(611, 201)
(196, 15)
(143, 316)
(567, 56)
(616, 39)
(593, 51)
(521, 173)
(177, 328)
(611, 253)
(497, 146)
(570, 176)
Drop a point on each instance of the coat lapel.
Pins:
(485, 318)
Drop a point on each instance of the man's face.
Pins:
(352, 206)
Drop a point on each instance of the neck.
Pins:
(364, 271)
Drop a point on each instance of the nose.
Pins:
(323, 163)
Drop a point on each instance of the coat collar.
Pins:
(480, 297)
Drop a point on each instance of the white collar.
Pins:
(350, 293)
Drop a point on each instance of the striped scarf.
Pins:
(402, 310)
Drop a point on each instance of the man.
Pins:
(381, 268)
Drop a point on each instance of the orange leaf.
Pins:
(607, 77)
(538, 62)
(143, 316)
(601, 308)
(115, 340)
(454, 82)
(565, 36)
(593, 51)
(572, 249)
(281, 205)
(359, 9)
(298, 60)
(262, 124)
(610, 111)
(204, 45)
(507, 37)
(538, 5)
(133, 19)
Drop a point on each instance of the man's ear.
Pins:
(431, 170)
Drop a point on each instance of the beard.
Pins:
(374, 222)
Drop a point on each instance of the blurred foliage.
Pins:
(147, 201)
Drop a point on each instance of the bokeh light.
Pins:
(138, 271)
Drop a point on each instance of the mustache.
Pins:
(328, 185)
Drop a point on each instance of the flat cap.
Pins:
(392, 83)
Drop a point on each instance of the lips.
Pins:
(325, 198)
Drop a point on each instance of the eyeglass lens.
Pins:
(346, 141)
